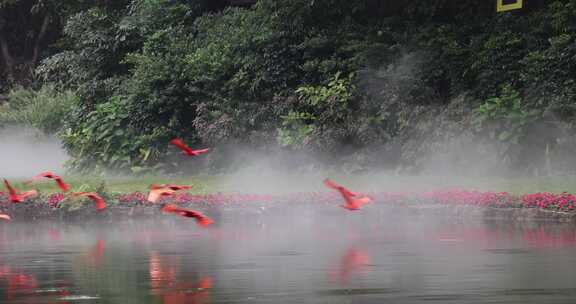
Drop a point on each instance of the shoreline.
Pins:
(501, 206)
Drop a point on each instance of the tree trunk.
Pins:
(39, 38)
(8, 60)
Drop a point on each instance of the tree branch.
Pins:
(39, 37)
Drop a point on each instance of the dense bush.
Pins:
(44, 109)
(318, 76)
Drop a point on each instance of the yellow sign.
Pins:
(501, 7)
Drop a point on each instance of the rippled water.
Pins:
(304, 253)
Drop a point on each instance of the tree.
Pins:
(27, 29)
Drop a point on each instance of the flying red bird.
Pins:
(155, 194)
(189, 151)
(353, 200)
(5, 217)
(331, 184)
(48, 174)
(200, 218)
(15, 197)
(204, 283)
(170, 186)
(100, 203)
(157, 191)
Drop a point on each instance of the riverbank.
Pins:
(540, 206)
(264, 180)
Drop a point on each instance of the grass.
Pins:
(518, 185)
(202, 184)
(262, 183)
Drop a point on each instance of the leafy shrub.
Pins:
(506, 116)
(104, 139)
(310, 75)
(296, 129)
(508, 120)
(44, 109)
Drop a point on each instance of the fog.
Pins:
(438, 151)
(24, 153)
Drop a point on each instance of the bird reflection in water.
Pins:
(352, 262)
(166, 285)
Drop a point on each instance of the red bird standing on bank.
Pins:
(353, 200)
(189, 151)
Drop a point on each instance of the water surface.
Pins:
(300, 253)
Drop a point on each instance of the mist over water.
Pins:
(303, 252)
(24, 153)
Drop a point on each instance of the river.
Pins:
(279, 253)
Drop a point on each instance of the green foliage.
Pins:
(28, 28)
(92, 59)
(43, 109)
(332, 76)
(103, 139)
(321, 119)
(129, 107)
(296, 129)
(506, 116)
(338, 89)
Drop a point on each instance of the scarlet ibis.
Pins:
(170, 186)
(353, 200)
(15, 197)
(48, 174)
(331, 184)
(204, 283)
(200, 218)
(189, 151)
(100, 203)
(155, 194)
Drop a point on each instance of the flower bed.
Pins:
(542, 205)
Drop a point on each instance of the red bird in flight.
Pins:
(100, 203)
(200, 218)
(170, 186)
(15, 197)
(157, 191)
(353, 200)
(48, 174)
(155, 194)
(204, 283)
(189, 151)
